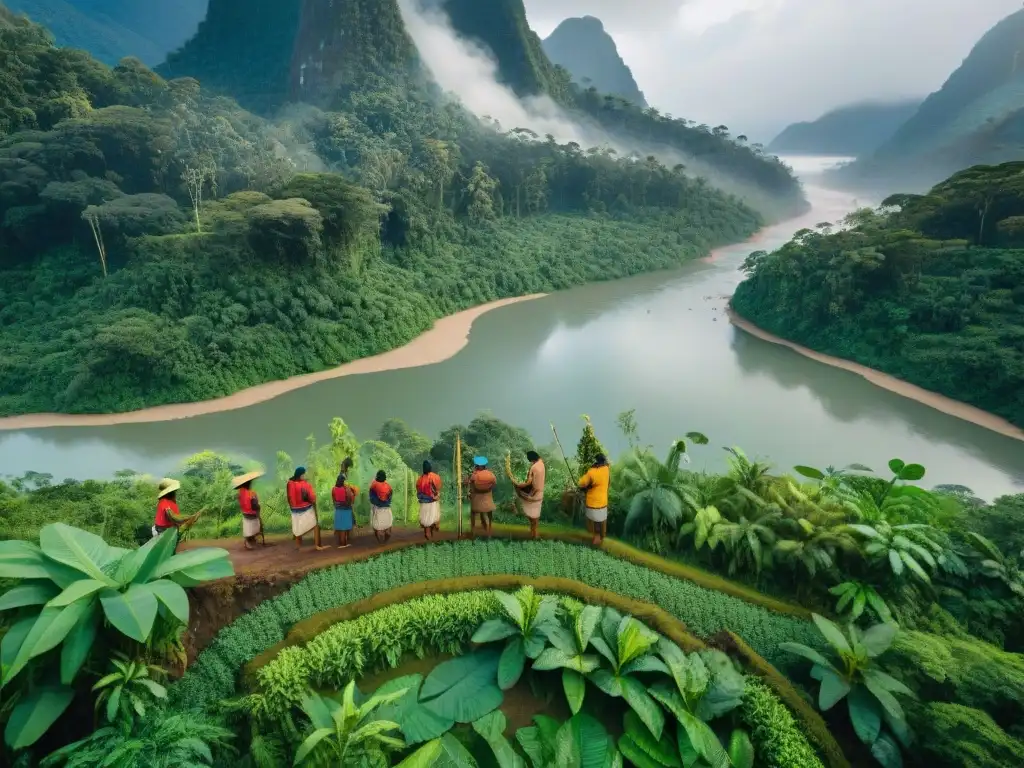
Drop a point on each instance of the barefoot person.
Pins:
(381, 517)
(248, 501)
(302, 501)
(531, 492)
(596, 483)
(428, 494)
(344, 495)
(167, 513)
(481, 496)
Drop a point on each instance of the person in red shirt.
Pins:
(344, 496)
(249, 502)
(381, 517)
(167, 513)
(302, 500)
(428, 493)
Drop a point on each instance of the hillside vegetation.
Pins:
(975, 118)
(113, 29)
(588, 53)
(159, 244)
(850, 131)
(930, 288)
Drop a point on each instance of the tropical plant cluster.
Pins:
(159, 244)
(929, 288)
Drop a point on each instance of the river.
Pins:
(659, 343)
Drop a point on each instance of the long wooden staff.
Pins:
(458, 479)
(575, 480)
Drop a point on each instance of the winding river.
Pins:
(659, 343)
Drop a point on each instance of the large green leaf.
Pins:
(311, 743)
(705, 741)
(424, 757)
(575, 686)
(635, 694)
(532, 742)
(607, 682)
(172, 596)
(877, 639)
(465, 688)
(888, 682)
(453, 754)
(140, 566)
(13, 640)
(636, 755)
(727, 687)
(511, 663)
(581, 742)
(418, 723)
(513, 608)
(741, 751)
(491, 728)
(493, 630)
(833, 689)
(884, 697)
(912, 473)
(35, 713)
(80, 589)
(808, 653)
(52, 625)
(193, 561)
(131, 613)
(29, 593)
(832, 634)
(865, 714)
(22, 560)
(78, 643)
(887, 752)
(78, 549)
(662, 752)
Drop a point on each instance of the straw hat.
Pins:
(167, 485)
(241, 480)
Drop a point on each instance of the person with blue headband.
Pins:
(481, 484)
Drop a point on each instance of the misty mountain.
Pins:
(850, 131)
(976, 117)
(589, 54)
(113, 29)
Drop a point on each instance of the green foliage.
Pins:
(855, 597)
(346, 733)
(953, 735)
(72, 586)
(527, 622)
(777, 741)
(579, 742)
(869, 692)
(588, 447)
(910, 297)
(125, 691)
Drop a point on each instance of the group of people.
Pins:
(480, 484)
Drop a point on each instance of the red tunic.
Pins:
(165, 508)
(300, 494)
(249, 503)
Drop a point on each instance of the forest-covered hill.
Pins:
(113, 29)
(850, 131)
(160, 244)
(269, 53)
(588, 53)
(929, 289)
(977, 117)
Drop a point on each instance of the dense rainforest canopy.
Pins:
(158, 244)
(929, 288)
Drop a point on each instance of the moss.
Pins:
(955, 736)
(778, 743)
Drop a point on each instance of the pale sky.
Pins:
(757, 65)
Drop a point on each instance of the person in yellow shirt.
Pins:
(596, 483)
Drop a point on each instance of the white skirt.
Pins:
(430, 514)
(250, 527)
(381, 518)
(532, 508)
(304, 522)
(597, 515)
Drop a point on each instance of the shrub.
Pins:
(955, 736)
(778, 742)
(705, 612)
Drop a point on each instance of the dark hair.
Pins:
(427, 468)
(346, 464)
(246, 484)
(299, 472)
(340, 482)
(381, 476)
(172, 495)
(532, 455)
(600, 460)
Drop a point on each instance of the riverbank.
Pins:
(445, 340)
(934, 400)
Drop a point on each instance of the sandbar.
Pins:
(934, 400)
(445, 340)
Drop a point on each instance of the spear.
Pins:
(568, 468)
(458, 479)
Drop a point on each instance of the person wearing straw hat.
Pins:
(382, 519)
(481, 483)
(531, 492)
(248, 501)
(428, 494)
(302, 500)
(344, 497)
(167, 514)
(596, 483)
